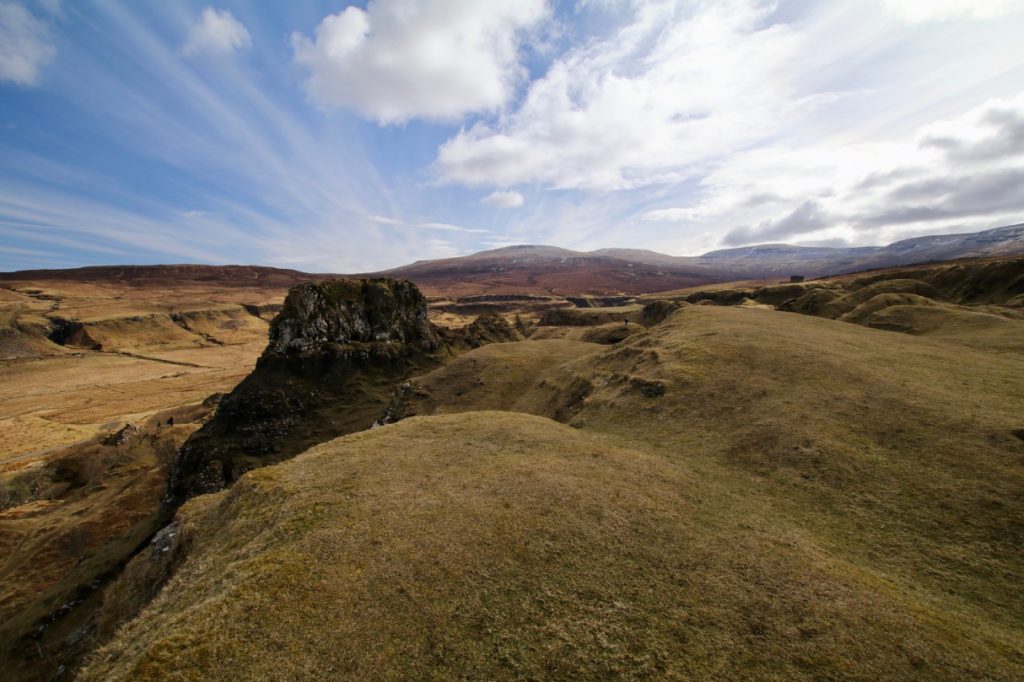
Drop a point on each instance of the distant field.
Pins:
(159, 348)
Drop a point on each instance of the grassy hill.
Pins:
(734, 493)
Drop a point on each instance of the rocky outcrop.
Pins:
(319, 316)
(126, 434)
(656, 312)
(71, 333)
(483, 330)
(336, 351)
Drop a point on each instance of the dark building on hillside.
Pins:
(796, 279)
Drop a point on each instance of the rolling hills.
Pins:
(550, 270)
(739, 493)
(747, 480)
(564, 272)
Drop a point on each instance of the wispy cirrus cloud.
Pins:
(916, 11)
(232, 168)
(506, 199)
(679, 85)
(26, 44)
(358, 138)
(965, 172)
(444, 227)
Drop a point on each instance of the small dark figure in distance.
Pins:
(170, 421)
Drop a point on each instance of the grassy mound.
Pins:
(496, 545)
(972, 281)
(590, 317)
(916, 437)
(961, 325)
(497, 377)
(882, 301)
(745, 494)
(860, 293)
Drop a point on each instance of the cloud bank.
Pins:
(965, 170)
(436, 59)
(679, 85)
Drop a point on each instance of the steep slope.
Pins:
(745, 494)
(335, 352)
(68, 520)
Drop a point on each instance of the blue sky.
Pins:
(346, 137)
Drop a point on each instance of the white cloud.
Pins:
(25, 45)
(436, 59)
(668, 215)
(947, 176)
(991, 132)
(216, 31)
(444, 227)
(682, 84)
(806, 218)
(921, 11)
(501, 199)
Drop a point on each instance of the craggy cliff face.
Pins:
(319, 316)
(336, 352)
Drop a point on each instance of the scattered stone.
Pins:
(124, 435)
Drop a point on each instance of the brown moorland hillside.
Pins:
(79, 490)
(745, 494)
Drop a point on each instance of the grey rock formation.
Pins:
(320, 315)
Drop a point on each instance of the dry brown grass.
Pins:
(74, 516)
(807, 499)
(590, 317)
(184, 344)
(496, 545)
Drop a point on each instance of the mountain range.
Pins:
(562, 271)
(531, 269)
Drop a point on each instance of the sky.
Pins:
(351, 137)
